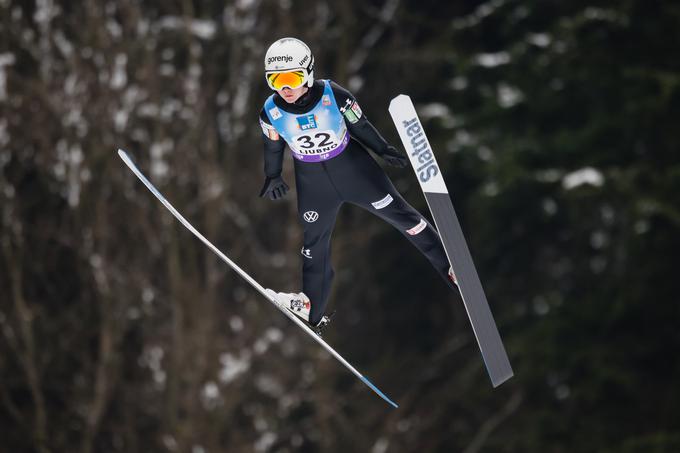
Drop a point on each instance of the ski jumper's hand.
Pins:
(394, 158)
(274, 188)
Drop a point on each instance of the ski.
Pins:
(269, 294)
(436, 194)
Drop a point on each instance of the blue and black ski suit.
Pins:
(329, 135)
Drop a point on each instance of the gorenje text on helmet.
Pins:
(284, 58)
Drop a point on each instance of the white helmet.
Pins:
(290, 54)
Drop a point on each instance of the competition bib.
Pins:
(323, 144)
(315, 136)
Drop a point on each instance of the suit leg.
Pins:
(318, 206)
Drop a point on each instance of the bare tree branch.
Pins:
(493, 422)
(362, 51)
(26, 352)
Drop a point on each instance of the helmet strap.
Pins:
(310, 72)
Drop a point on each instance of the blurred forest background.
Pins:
(556, 123)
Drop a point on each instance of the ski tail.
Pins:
(377, 390)
(268, 293)
(436, 194)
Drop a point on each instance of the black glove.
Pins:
(274, 188)
(394, 158)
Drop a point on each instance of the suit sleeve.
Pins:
(274, 147)
(357, 123)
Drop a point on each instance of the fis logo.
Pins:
(421, 150)
(282, 58)
(275, 113)
(306, 122)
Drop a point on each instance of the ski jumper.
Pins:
(328, 135)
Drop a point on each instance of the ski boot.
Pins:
(323, 323)
(452, 276)
(300, 305)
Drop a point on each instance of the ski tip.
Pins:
(377, 390)
(123, 155)
(125, 158)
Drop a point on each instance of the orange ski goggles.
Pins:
(293, 79)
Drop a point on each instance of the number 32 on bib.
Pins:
(316, 143)
(321, 145)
